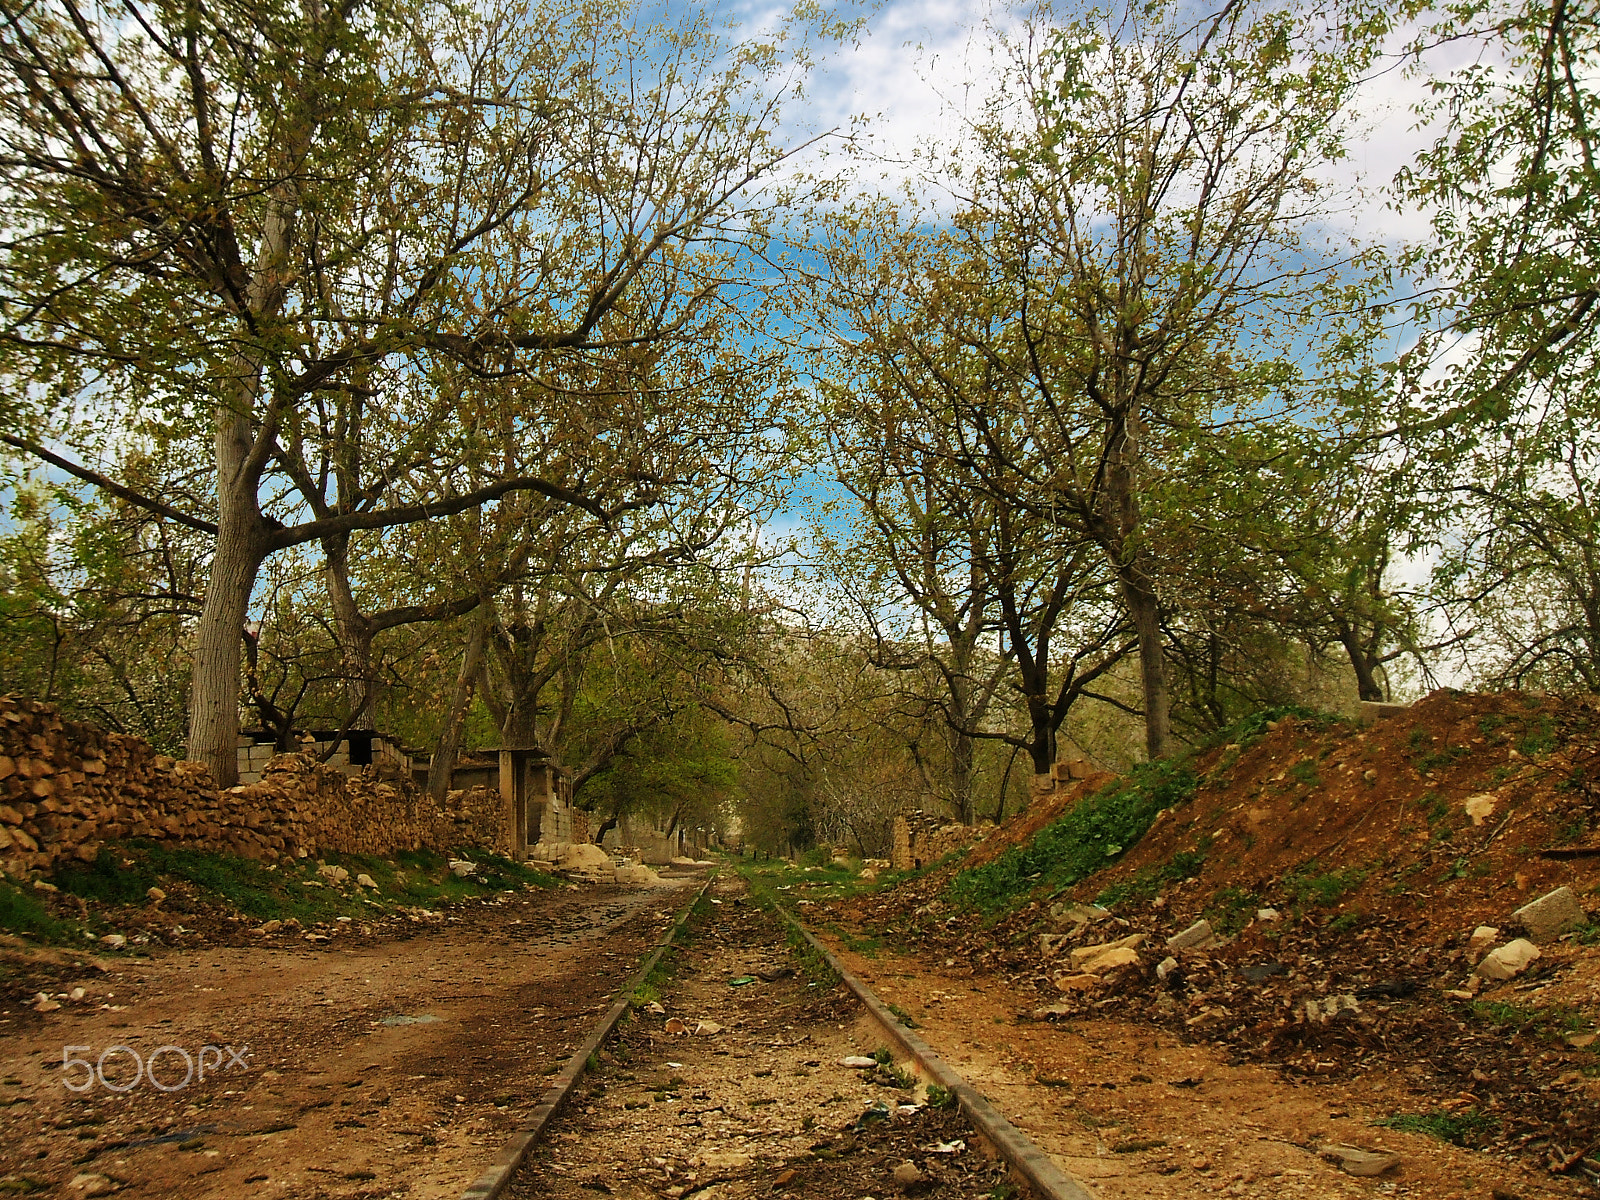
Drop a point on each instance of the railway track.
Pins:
(736, 1079)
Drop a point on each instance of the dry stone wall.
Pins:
(921, 838)
(66, 787)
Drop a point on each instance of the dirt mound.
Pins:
(1379, 850)
(1447, 813)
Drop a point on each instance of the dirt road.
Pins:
(376, 1068)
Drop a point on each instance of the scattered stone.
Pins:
(366, 881)
(462, 868)
(76, 994)
(1551, 915)
(91, 1185)
(1508, 961)
(332, 874)
(1199, 936)
(858, 1062)
(1081, 915)
(1096, 959)
(1480, 807)
(41, 885)
(1482, 938)
(1353, 1160)
(113, 941)
(1268, 914)
(1053, 1010)
(1320, 1012)
(1581, 1041)
(155, 895)
(707, 1029)
(42, 1003)
(1050, 944)
(1166, 967)
(1080, 982)
(676, 1027)
(656, 1007)
(268, 927)
(908, 1175)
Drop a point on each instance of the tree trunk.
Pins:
(214, 698)
(1145, 613)
(1366, 680)
(443, 763)
(355, 633)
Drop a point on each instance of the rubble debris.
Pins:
(1199, 936)
(1508, 961)
(1482, 938)
(1551, 915)
(1480, 807)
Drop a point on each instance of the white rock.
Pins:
(858, 1062)
(462, 869)
(1268, 914)
(333, 874)
(366, 881)
(1509, 960)
(707, 1029)
(155, 895)
(113, 941)
(1166, 967)
(1480, 807)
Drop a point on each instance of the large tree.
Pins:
(1134, 216)
(306, 242)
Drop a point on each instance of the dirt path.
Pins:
(757, 1103)
(1133, 1112)
(340, 1094)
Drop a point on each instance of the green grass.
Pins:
(1106, 824)
(1459, 1128)
(124, 872)
(1079, 842)
(1231, 908)
(1147, 884)
(22, 913)
(1306, 885)
(1549, 1021)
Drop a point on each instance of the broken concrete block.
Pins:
(1199, 936)
(1552, 914)
(1166, 967)
(1509, 960)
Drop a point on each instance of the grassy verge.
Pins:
(124, 872)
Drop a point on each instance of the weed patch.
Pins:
(1459, 1128)
(1080, 842)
